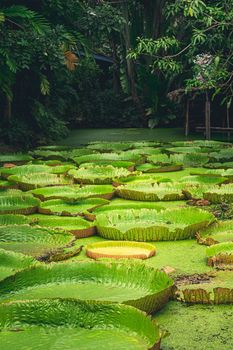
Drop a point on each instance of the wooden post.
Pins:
(187, 118)
(207, 117)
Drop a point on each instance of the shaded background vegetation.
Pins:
(69, 64)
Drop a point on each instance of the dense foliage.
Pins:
(107, 63)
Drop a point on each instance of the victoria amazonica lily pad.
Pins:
(31, 181)
(99, 174)
(220, 194)
(61, 207)
(27, 169)
(17, 202)
(146, 191)
(74, 192)
(110, 146)
(222, 231)
(4, 185)
(14, 219)
(76, 225)
(116, 164)
(124, 204)
(131, 283)
(11, 262)
(130, 156)
(190, 159)
(152, 168)
(71, 324)
(32, 240)
(205, 180)
(220, 254)
(120, 249)
(17, 158)
(224, 155)
(191, 149)
(152, 225)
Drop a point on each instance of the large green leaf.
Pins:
(18, 158)
(220, 194)
(13, 219)
(190, 149)
(26, 169)
(124, 204)
(220, 232)
(72, 324)
(115, 163)
(152, 225)
(99, 174)
(32, 240)
(60, 207)
(146, 191)
(128, 283)
(110, 146)
(128, 156)
(74, 192)
(11, 262)
(220, 254)
(190, 159)
(224, 155)
(17, 202)
(76, 225)
(31, 181)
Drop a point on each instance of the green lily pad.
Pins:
(62, 324)
(131, 283)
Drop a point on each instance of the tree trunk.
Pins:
(130, 66)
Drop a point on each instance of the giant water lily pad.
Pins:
(117, 164)
(99, 174)
(120, 249)
(17, 202)
(220, 194)
(27, 169)
(76, 225)
(150, 191)
(220, 254)
(151, 225)
(212, 288)
(60, 207)
(152, 168)
(31, 181)
(223, 155)
(190, 159)
(11, 262)
(203, 180)
(32, 240)
(110, 146)
(190, 149)
(4, 185)
(222, 231)
(124, 204)
(127, 283)
(74, 193)
(131, 156)
(70, 325)
(13, 219)
(17, 158)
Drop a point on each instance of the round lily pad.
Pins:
(131, 283)
(61, 207)
(120, 249)
(72, 324)
(152, 225)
